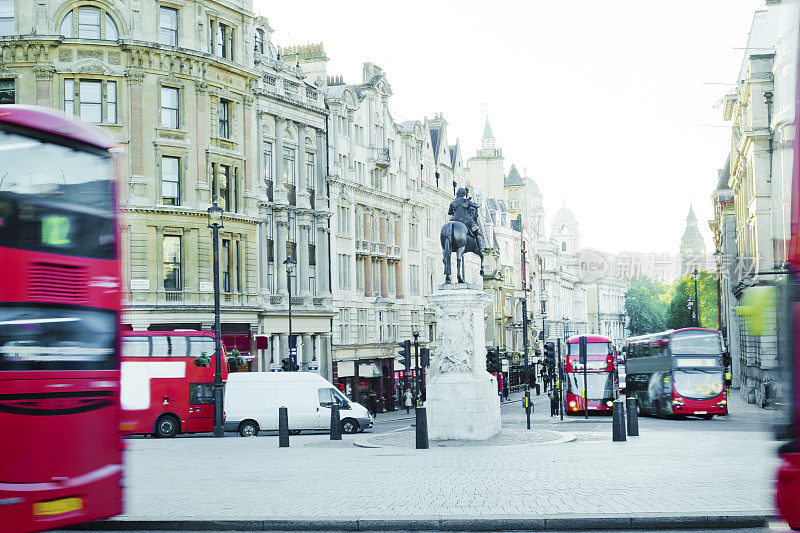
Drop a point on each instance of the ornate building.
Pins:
(693, 246)
(180, 87)
(391, 185)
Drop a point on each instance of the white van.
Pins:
(252, 400)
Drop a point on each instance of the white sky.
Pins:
(606, 103)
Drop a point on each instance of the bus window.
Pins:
(160, 346)
(201, 393)
(179, 346)
(135, 347)
(198, 345)
(592, 348)
(696, 343)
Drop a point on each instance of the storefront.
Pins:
(357, 379)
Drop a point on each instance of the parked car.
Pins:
(252, 400)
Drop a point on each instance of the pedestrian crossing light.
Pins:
(405, 353)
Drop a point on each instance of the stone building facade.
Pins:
(752, 208)
(183, 88)
(391, 185)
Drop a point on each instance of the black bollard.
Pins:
(618, 422)
(538, 389)
(633, 417)
(336, 424)
(283, 427)
(422, 429)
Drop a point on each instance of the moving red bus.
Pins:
(677, 373)
(601, 376)
(163, 391)
(61, 447)
(787, 493)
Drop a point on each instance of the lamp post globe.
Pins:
(215, 222)
(290, 262)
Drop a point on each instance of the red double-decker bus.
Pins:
(677, 373)
(602, 386)
(163, 391)
(61, 448)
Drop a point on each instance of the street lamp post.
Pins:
(690, 307)
(289, 271)
(215, 222)
(696, 316)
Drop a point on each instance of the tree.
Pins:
(646, 305)
(679, 314)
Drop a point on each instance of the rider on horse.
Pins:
(465, 211)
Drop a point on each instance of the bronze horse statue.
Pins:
(456, 238)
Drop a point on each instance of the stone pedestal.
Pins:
(462, 398)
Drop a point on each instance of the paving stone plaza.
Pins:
(720, 466)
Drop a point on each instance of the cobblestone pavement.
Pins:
(669, 469)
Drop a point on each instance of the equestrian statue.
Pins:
(461, 234)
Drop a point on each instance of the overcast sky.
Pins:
(609, 105)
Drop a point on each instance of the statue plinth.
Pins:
(462, 400)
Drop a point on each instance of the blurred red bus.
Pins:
(601, 376)
(59, 316)
(163, 391)
(677, 372)
(787, 486)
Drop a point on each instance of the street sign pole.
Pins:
(417, 395)
(525, 347)
(584, 359)
(560, 381)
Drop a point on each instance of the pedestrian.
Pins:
(408, 400)
(372, 404)
(553, 402)
(505, 390)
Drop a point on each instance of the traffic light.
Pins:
(550, 354)
(493, 360)
(425, 357)
(582, 348)
(286, 364)
(405, 353)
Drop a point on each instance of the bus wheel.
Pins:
(167, 426)
(349, 426)
(248, 428)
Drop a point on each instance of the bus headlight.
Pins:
(677, 402)
(572, 403)
(610, 403)
(723, 402)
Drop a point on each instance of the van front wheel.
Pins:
(349, 426)
(248, 428)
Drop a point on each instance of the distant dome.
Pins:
(534, 187)
(564, 216)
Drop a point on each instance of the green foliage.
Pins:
(679, 315)
(235, 358)
(646, 305)
(202, 360)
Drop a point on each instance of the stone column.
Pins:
(322, 264)
(283, 348)
(280, 252)
(384, 277)
(304, 226)
(308, 350)
(351, 142)
(201, 131)
(398, 279)
(367, 275)
(462, 397)
(139, 192)
(325, 356)
(278, 188)
(300, 161)
(44, 77)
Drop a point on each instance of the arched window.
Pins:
(563, 247)
(89, 22)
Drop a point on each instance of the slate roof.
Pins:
(436, 132)
(513, 179)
